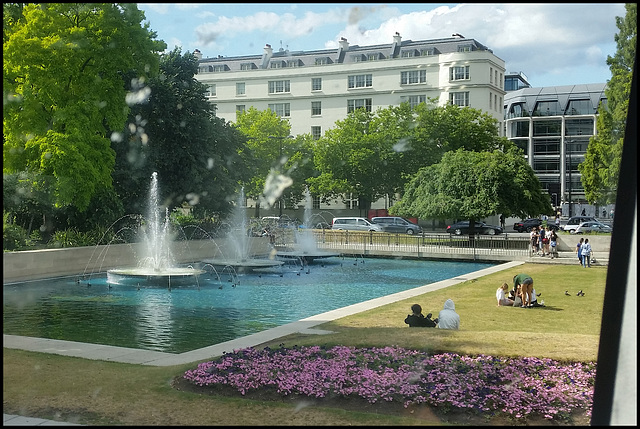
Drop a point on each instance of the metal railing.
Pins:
(419, 245)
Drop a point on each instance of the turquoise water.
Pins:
(217, 309)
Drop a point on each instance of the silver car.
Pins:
(592, 227)
(395, 224)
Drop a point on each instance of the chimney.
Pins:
(197, 54)
(266, 56)
(395, 46)
(344, 45)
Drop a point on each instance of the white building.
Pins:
(314, 89)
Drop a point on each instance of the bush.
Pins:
(14, 237)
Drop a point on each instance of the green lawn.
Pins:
(108, 393)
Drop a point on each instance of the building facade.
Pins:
(314, 89)
(553, 126)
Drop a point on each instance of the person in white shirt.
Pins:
(586, 253)
(448, 318)
(501, 296)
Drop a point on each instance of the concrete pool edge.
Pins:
(154, 358)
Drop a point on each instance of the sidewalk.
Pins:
(13, 420)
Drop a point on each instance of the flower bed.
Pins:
(492, 386)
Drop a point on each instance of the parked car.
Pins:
(395, 224)
(462, 227)
(575, 222)
(593, 227)
(354, 224)
(527, 225)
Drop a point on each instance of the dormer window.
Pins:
(465, 48)
(374, 57)
(277, 64)
(357, 58)
(322, 61)
(247, 66)
(294, 63)
(409, 53)
(428, 52)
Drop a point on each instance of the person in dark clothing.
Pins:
(417, 319)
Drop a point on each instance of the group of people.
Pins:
(583, 249)
(522, 295)
(447, 318)
(544, 242)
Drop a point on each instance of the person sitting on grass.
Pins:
(417, 319)
(448, 318)
(526, 287)
(501, 296)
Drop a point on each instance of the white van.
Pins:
(354, 224)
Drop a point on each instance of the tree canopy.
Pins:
(175, 133)
(600, 170)
(373, 155)
(474, 185)
(64, 90)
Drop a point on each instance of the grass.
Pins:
(108, 393)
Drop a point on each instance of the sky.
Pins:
(552, 44)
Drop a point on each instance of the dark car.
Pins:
(395, 224)
(462, 227)
(528, 224)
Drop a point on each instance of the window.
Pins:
(500, 83)
(459, 98)
(316, 84)
(490, 101)
(464, 48)
(412, 77)
(408, 54)
(522, 144)
(322, 61)
(491, 75)
(360, 81)
(276, 86)
(519, 128)
(459, 73)
(518, 110)
(357, 58)
(351, 201)
(277, 64)
(547, 108)
(281, 109)
(495, 100)
(546, 128)
(315, 201)
(579, 107)
(373, 57)
(219, 68)
(211, 90)
(316, 133)
(293, 63)
(240, 108)
(316, 108)
(546, 146)
(240, 88)
(246, 66)
(428, 52)
(546, 166)
(414, 100)
(578, 127)
(358, 104)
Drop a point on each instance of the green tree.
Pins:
(474, 185)
(268, 143)
(373, 155)
(64, 92)
(175, 133)
(600, 170)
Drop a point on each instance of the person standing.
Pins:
(544, 241)
(526, 288)
(578, 248)
(502, 221)
(557, 222)
(448, 318)
(586, 253)
(534, 240)
(553, 244)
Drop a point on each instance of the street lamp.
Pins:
(568, 146)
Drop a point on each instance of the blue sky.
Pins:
(552, 44)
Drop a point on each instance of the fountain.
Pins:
(238, 242)
(157, 266)
(306, 247)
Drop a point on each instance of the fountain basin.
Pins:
(149, 276)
